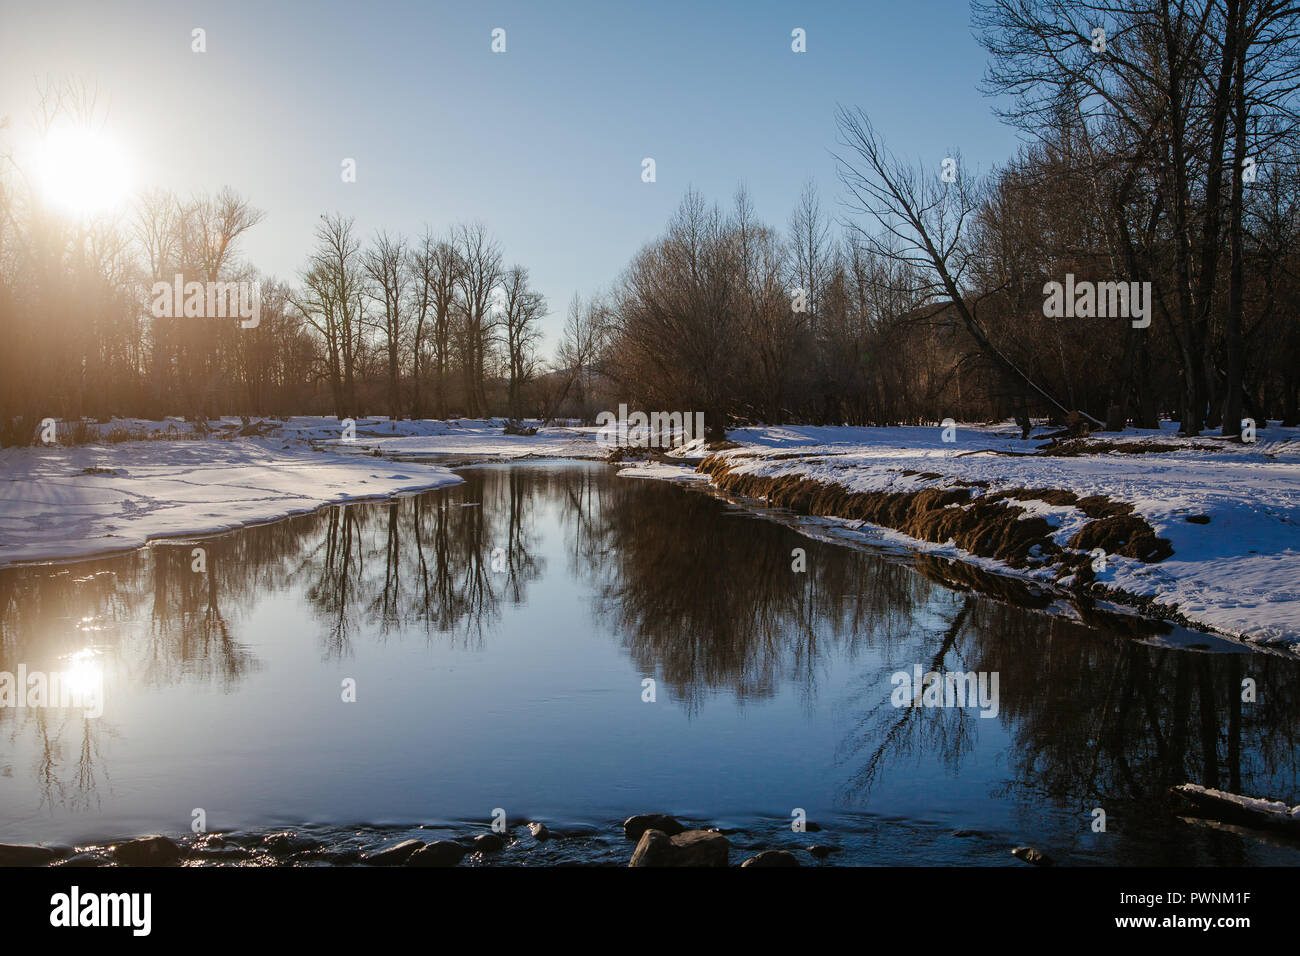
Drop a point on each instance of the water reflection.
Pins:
(697, 594)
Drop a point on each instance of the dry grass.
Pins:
(84, 433)
(988, 526)
(1073, 447)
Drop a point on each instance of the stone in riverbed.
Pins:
(13, 854)
(282, 844)
(147, 851)
(633, 827)
(772, 858)
(489, 842)
(1031, 855)
(438, 853)
(692, 848)
(539, 831)
(394, 855)
(821, 851)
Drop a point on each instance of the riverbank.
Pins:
(1204, 530)
(66, 502)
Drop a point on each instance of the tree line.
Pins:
(1160, 149)
(439, 325)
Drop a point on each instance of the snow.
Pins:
(660, 470)
(51, 507)
(476, 439)
(1254, 805)
(1239, 574)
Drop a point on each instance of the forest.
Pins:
(1159, 146)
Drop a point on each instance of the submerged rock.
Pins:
(147, 851)
(691, 848)
(1031, 855)
(772, 858)
(539, 831)
(438, 853)
(393, 855)
(821, 852)
(80, 860)
(489, 842)
(633, 827)
(285, 843)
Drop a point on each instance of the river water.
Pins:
(498, 637)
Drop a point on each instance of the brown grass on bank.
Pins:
(1073, 447)
(984, 525)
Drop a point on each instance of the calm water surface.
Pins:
(513, 678)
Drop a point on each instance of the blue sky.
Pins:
(543, 143)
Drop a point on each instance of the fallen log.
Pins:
(1235, 808)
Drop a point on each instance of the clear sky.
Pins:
(543, 142)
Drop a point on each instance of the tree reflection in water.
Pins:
(700, 595)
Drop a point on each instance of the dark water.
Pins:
(517, 684)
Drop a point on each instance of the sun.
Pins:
(82, 171)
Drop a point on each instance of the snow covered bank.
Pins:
(1230, 511)
(457, 438)
(62, 502)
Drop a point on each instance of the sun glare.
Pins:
(83, 675)
(82, 171)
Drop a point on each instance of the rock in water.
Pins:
(821, 851)
(539, 831)
(772, 858)
(439, 853)
(1030, 855)
(633, 827)
(285, 843)
(12, 854)
(691, 848)
(393, 855)
(489, 842)
(147, 851)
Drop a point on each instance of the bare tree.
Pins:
(586, 333)
(478, 279)
(386, 266)
(923, 222)
(521, 309)
(435, 271)
(331, 304)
